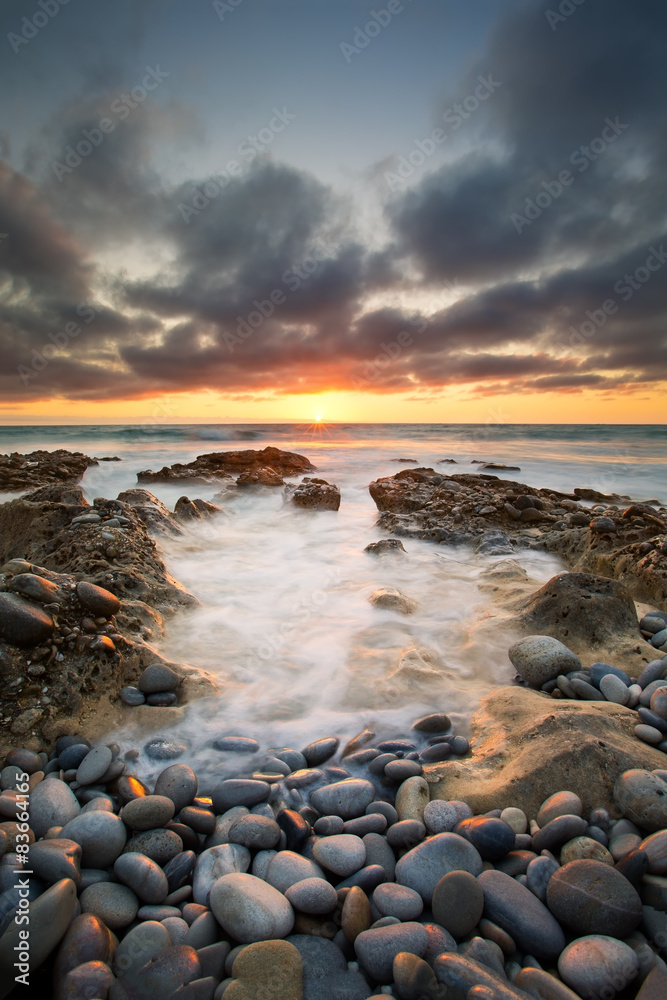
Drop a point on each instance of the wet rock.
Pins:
(346, 799)
(143, 876)
(178, 783)
(23, 624)
(56, 859)
(222, 464)
(148, 812)
(159, 845)
(391, 599)
(270, 969)
(52, 803)
(171, 969)
(250, 909)
(314, 494)
(590, 897)
(239, 792)
(102, 837)
(87, 940)
(158, 677)
(312, 895)
(384, 546)
(286, 868)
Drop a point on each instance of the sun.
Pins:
(318, 418)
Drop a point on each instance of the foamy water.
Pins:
(285, 621)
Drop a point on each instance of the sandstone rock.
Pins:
(260, 477)
(314, 494)
(393, 600)
(40, 468)
(221, 464)
(527, 746)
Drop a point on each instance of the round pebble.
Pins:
(101, 834)
(313, 895)
(595, 965)
(250, 909)
(394, 900)
(132, 695)
(614, 689)
(440, 816)
(114, 904)
(458, 902)
(177, 782)
(147, 812)
(642, 797)
(341, 854)
(559, 804)
(590, 897)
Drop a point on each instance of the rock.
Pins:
(312, 895)
(101, 834)
(170, 970)
(614, 689)
(159, 845)
(116, 905)
(213, 863)
(147, 812)
(50, 916)
(414, 977)
(541, 658)
(384, 546)
(585, 849)
(642, 797)
(458, 902)
(272, 970)
(492, 837)
(342, 854)
(38, 589)
(590, 897)
(597, 963)
(398, 901)
(52, 803)
(222, 464)
(543, 986)
(286, 868)
(558, 831)
(412, 798)
(526, 744)
(143, 876)
(654, 986)
(325, 971)
(437, 722)
(440, 817)
(258, 833)
(239, 792)
(346, 799)
(250, 909)
(465, 977)
(177, 782)
(592, 615)
(94, 765)
(422, 867)
(521, 915)
(316, 753)
(393, 600)
(23, 624)
(97, 600)
(158, 677)
(377, 948)
(314, 494)
(162, 748)
(87, 940)
(53, 860)
(559, 804)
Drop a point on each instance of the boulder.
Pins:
(526, 746)
(222, 464)
(314, 494)
(260, 477)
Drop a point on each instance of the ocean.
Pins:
(284, 619)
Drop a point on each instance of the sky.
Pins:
(337, 210)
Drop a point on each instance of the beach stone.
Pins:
(202, 931)
(116, 905)
(366, 878)
(286, 867)
(170, 969)
(73, 755)
(159, 845)
(226, 859)
(412, 798)
(585, 848)
(56, 859)
(87, 940)
(659, 702)
(341, 854)
(102, 836)
(94, 765)
(520, 914)
(649, 734)
(458, 903)
(178, 869)
(422, 867)
(258, 833)
(590, 897)
(131, 695)
(559, 804)
(320, 751)
(401, 770)
(391, 599)
(437, 752)
(312, 895)
(163, 699)
(272, 970)
(162, 748)
(599, 670)
(147, 812)
(356, 915)
(440, 817)
(541, 658)
(239, 792)
(326, 975)
(414, 978)
(493, 838)
(614, 689)
(158, 677)
(394, 900)
(327, 826)
(250, 909)
(655, 846)
(200, 820)
(52, 803)
(377, 948)
(347, 799)
(50, 917)
(97, 600)
(557, 832)
(236, 744)
(597, 963)
(538, 874)
(90, 977)
(406, 833)
(540, 984)
(143, 876)
(378, 852)
(370, 823)
(437, 722)
(21, 623)
(177, 782)
(642, 797)
(38, 589)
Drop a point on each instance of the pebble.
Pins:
(94, 765)
(341, 854)
(54, 859)
(239, 792)
(393, 900)
(585, 848)
(436, 753)
(590, 897)
(312, 895)
(423, 866)
(642, 797)
(440, 816)
(236, 744)
(655, 846)
(558, 831)
(518, 912)
(437, 722)
(599, 670)
(614, 689)
(370, 823)
(97, 600)
(132, 695)
(346, 799)
(458, 902)
(541, 658)
(250, 909)
(649, 734)
(406, 833)
(400, 770)
(161, 748)
(271, 970)
(177, 782)
(316, 753)
(377, 948)
(50, 917)
(412, 798)
(170, 969)
(159, 845)
(594, 965)
(147, 812)
(87, 940)
(114, 904)
(258, 833)
(23, 624)
(379, 852)
(162, 699)
(102, 836)
(143, 876)
(213, 863)
(158, 677)
(559, 804)
(516, 818)
(493, 838)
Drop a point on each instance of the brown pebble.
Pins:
(356, 916)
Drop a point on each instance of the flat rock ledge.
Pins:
(221, 465)
(525, 745)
